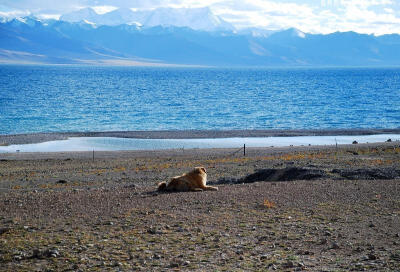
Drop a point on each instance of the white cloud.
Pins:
(103, 9)
(49, 16)
(365, 16)
(14, 13)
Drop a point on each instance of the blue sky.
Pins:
(315, 16)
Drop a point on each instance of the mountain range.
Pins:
(182, 37)
(195, 18)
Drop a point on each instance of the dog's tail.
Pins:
(162, 186)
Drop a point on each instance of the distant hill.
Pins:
(29, 40)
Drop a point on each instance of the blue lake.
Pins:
(90, 98)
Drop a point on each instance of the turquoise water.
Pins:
(76, 98)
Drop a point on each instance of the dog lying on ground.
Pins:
(194, 180)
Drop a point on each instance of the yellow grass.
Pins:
(269, 204)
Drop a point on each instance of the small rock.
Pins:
(353, 152)
(156, 256)
(264, 257)
(62, 181)
(186, 263)
(153, 230)
(4, 230)
(354, 142)
(18, 257)
(116, 264)
(300, 264)
(327, 233)
(323, 241)
(372, 257)
(305, 252)
(36, 254)
(389, 140)
(288, 264)
(358, 249)
(335, 246)
(54, 253)
(174, 264)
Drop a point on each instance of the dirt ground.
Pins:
(283, 209)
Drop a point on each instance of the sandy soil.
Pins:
(284, 209)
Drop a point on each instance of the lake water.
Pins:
(110, 143)
(77, 98)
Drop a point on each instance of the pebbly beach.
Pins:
(283, 208)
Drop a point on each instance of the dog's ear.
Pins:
(202, 168)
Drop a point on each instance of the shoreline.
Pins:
(197, 152)
(32, 138)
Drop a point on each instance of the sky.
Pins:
(312, 16)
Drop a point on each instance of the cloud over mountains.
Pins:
(312, 16)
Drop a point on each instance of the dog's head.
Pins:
(200, 170)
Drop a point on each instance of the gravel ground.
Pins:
(68, 212)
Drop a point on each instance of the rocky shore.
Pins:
(283, 209)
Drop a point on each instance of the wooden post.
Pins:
(336, 149)
(93, 154)
(244, 150)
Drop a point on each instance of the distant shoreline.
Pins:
(31, 138)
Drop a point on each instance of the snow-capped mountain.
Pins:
(30, 40)
(87, 14)
(195, 18)
(122, 16)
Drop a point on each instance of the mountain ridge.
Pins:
(29, 39)
(195, 18)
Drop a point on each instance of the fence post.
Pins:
(244, 150)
